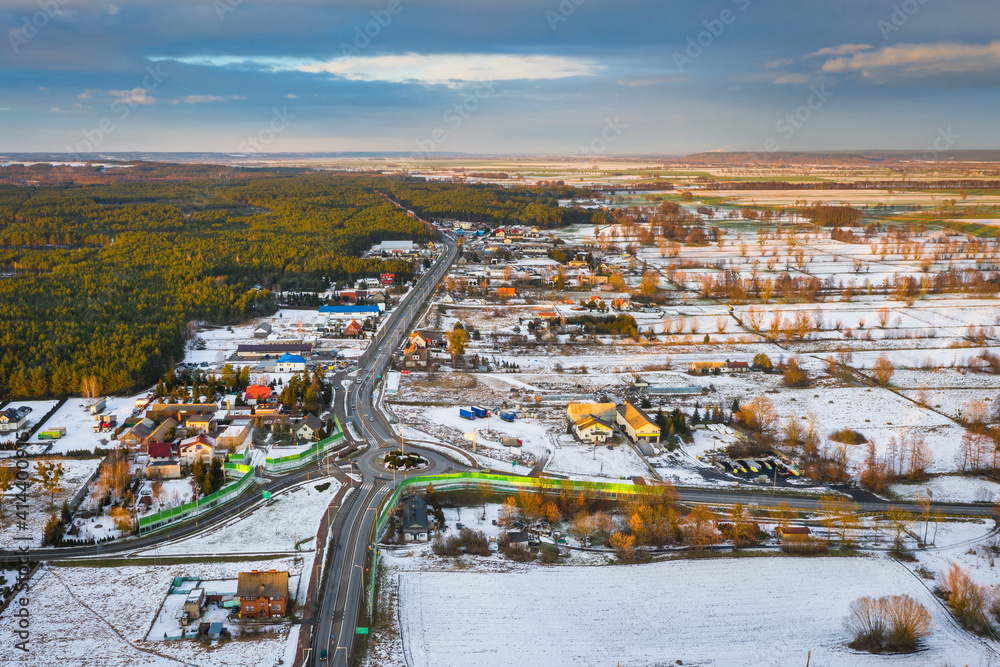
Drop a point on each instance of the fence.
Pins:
(199, 506)
(293, 461)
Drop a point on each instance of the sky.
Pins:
(568, 77)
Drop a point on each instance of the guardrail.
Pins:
(228, 492)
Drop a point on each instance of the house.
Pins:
(256, 393)
(262, 594)
(517, 539)
(164, 470)
(593, 430)
(416, 527)
(262, 331)
(201, 423)
(505, 292)
(387, 278)
(706, 366)
(162, 433)
(160, 451)
(290, 363)
(235, 433)
(417, 340)
(272, 349)
(353, 329)
(577, 411)
(416, 357)
(11, 420)
(199, 447)
(737, 366)
(139, 433)
(308, 428)
(637, 423)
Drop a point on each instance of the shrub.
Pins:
(848, 437)
(450, 546)
(893, 623)
(967, 600)
(475, 542)
(794, 376)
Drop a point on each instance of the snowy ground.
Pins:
(101, 616)
(290, 518)
(76, 472)
(700, 612)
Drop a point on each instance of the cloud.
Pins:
(780, 62)
(85, 95)
(132, 97)
(842, 50)
(653, 80)
(204, 99)
(431, 69)
(919, 60)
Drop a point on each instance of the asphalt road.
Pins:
(353, 535)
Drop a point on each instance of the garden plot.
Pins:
(286, 523)
(75, 473)
(699, 612)
(85, 616)
(78, 421)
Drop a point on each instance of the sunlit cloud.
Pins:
(431, 69)
(133, 97)
(919, 60)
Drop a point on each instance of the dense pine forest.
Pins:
(99, 275)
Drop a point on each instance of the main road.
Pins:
(353, 533)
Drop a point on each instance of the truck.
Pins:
(508, 415)
(98, 405)
(467, 414)
(52, 433)
(511, 442)
(140, 403)
(478, 411)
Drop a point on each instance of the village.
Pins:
(615, 372)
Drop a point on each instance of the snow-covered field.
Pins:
(290, 518)
(761, 611)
